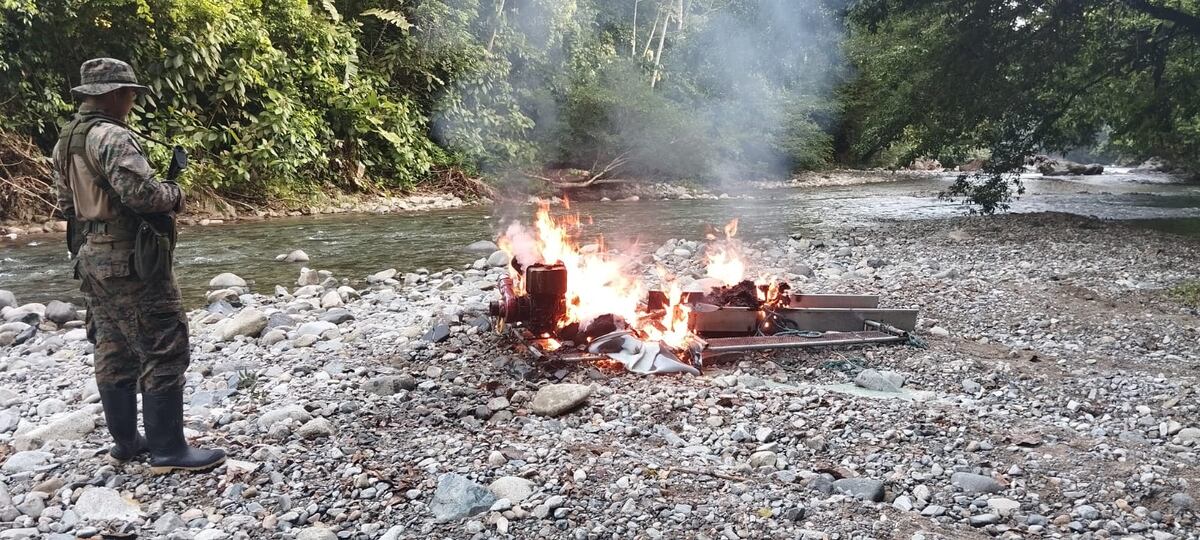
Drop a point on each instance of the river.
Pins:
(37, 270)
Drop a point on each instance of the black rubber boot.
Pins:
(169, 451)
(120, 413)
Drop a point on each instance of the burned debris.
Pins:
(566, 305)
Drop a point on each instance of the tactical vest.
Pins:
(97, 206)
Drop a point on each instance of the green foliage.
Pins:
(946, 78)
(1187, 293)
(267, 96)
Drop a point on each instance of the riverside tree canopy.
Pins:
(1006, 79)
(291, 98)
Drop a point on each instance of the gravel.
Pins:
(1057, 397)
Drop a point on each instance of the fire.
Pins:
(724, 258)
(596, 284)
(672, 327)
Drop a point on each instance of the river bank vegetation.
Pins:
(283, 100)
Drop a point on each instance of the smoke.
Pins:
(732, 89)
(763, 72)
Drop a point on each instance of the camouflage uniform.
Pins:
(138, 326)
(107, 188)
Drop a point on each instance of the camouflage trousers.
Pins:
(138, 327)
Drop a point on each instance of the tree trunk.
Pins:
(633, 36)
(662, 39)
(653, 28)
(496, 24)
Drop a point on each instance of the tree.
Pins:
(946, 78)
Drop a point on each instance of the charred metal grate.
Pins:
(788, 342)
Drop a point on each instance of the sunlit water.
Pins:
(354, 246)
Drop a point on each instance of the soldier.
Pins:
(107, 189)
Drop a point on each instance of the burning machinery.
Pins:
(543, 305)
(724, 320)
(572, 303)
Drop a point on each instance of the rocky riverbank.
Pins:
(1059, 396)
(208, 214)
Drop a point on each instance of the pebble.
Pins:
(402, 413)
(559, 399)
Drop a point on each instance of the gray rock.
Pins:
(70, 427)
(337, 316)
(14, 328)
(225, 281)
(332, 300)
(271, 337)
(294, 412)
(9, 420)
(25, 335)
(221, 307)
(1004, 507)
(983, 520)
(558, 399)
(316, 428)
(296, 256)
(763, 459)
(322, 329)
(483, 246)
(513, 488)
(26, 461)
(248, 322)
(32, 506)
(437, 334)
(316, 533)
(24, 315)
(903, 503)
(1183, 501)
(308, 277)
(498, 259)
(879, 381)
(380, 277)
(971, 387)
(933, 510)
(390, 384)
(105, 504)
(866, 489)
(279, 319)
(168, 522)
(975, 483)
(21, 533)
(7, 299)
(393, 533)
(60, 312)
(457, 497)
(1087, 511)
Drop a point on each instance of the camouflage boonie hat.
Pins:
(100, 76)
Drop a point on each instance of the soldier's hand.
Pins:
(179, 201)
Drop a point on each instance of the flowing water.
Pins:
(355, 246)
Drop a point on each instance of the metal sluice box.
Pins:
(810, 320)
(805, 312)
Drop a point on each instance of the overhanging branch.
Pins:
(1182, 19)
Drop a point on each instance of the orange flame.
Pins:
(596, 284)
(672, 327)
(724, 258)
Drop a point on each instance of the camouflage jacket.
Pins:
(114, 154)
(109, 156)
